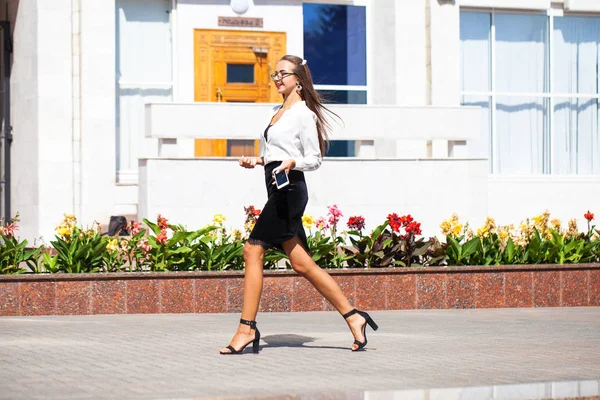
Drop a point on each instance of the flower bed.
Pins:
(397, 242)
(163, 267)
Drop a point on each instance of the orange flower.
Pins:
(162, 237)
(589, 216)
(162, 222)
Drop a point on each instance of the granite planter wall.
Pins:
(373, 289)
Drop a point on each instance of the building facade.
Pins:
(92, 81)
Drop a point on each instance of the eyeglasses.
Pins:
(279, 75)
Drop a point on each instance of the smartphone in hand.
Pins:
(281, 178)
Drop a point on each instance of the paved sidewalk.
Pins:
(176, 356)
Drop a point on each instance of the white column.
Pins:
(411, 68)
(41, 116)
(382, 50)
(24, 117)
(98, 149)
(445, 61)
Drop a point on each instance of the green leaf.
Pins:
(471, 247)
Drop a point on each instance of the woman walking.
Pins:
(294, 141)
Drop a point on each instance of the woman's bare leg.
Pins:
(254, 256)
(304, 265)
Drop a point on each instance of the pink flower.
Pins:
(144, 245)
(321, 223)
(334, 214)
(135, 228)
(9, 230)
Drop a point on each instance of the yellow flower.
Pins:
(503, 233)
(451, 226)
(249, 226)
(572, 231)
(541, 221)
(483, 231)
(218, 219)
(527, 229)
(308, 221)
(470, 234)
(124, 245)
(112, 245)
(555, 224)
(64, 231)
(237, 234)
(489, 227)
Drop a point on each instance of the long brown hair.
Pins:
(313, 100)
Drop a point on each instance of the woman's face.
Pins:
(284, 79)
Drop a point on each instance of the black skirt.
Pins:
(281, 217)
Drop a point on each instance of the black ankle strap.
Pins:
(251, 324)
(349, 314)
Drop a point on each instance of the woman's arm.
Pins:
(309, 137)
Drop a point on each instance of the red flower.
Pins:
(162, 237)
(162, 222)
(414, 228)
(356, 223)
(589, 216)
(394, 222)
(406, 219)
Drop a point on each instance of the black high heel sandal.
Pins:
(369, 321)
(255, 341)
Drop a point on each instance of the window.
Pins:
(336, 51)
(240, 73)
(143, 39)
(536, 77)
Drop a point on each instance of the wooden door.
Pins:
(234, 66)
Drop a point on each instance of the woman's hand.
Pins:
(249, 162)
(288, 165)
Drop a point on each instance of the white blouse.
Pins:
(293, 137)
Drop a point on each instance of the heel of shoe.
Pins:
(372, 324)
(255, 345)
(370, 321)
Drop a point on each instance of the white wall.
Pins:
(278, 16)
(24, 117)
(98, 151)
(54, 132)
(429, 190)
(513, 199)
(41, 116)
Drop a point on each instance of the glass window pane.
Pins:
(240, 73)
(521, 53)
(522, 129)
(343, 148)
(576, 136)
(576, 54)
(335, 43)
(482, 146)
(475, 51)
(143, 39)
(343, 96)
